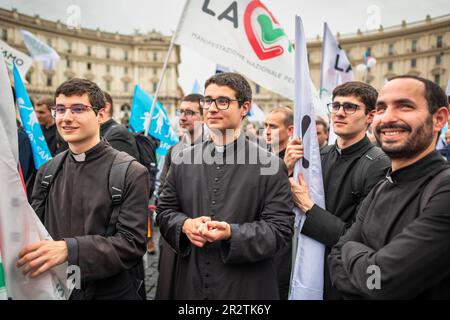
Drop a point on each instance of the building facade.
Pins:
(116, 62)
(421, 48)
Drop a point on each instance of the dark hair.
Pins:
(363, 91)
(288, 115)
(78, 87)
(434, 94)
(321, 121)
(194, 97)
(110, 101)
(236, 82)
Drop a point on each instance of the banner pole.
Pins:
(169, 52)
(321, 62)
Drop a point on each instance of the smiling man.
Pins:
(350, 169)
(398, 247)
(225, 218)
(73, 198)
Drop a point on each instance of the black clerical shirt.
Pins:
(409, 247)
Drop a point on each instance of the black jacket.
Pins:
(51, 137)
(78, 209)
(119, 137)
(167, 261)
(257, 206)
(26, 160)
(446, 152)
(283, 260)
(409, 247)
(338, 168)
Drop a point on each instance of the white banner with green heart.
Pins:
(242, 35)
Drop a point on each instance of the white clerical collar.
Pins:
(79, 157)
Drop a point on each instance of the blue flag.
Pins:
(41, 153)
(160, 127)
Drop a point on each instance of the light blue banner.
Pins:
(41, 153)
(160, 126)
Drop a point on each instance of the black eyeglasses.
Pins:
(76, 109)
(187, 113)
(348, 107)
(222, 103)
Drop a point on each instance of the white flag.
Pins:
(335, 70)
(40, 51)
(242, 35)
(19, 224)
(7, 111)
(308, 267)
(11, 55)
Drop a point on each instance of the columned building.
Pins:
(421, 48)
(116, 62)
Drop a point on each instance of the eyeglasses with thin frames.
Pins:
(187, 113)
(76, 109)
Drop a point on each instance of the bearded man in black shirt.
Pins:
(350, 169)
(398, 247)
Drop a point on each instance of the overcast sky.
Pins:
(162, 15)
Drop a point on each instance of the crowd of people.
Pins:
(226, 198)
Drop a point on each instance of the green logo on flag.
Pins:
(2, 276)
(269, 33)
(3, 295)
(266, 45)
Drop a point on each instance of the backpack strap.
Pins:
(48, 176)
(431, 187)
(116, 185)
(52, 168)
(362, 166)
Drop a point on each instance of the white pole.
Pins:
(321, 63)
(169, 52)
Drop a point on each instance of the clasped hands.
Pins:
(202, 229)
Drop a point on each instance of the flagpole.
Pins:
(169, 52)
(321, 62)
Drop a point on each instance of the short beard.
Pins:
(418, 141)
